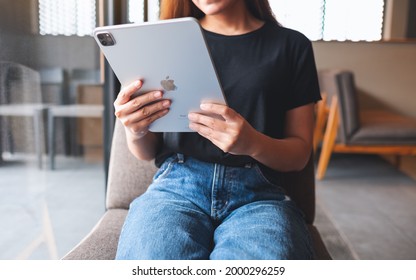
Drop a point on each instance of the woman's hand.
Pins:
(137, 113)
(231, 133)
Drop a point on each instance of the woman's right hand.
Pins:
(137, 113)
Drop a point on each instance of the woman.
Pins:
(217, 193)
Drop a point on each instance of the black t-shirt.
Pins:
(263, 73)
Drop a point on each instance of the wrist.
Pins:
(136, 135)
(256, 147)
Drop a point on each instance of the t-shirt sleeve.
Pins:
(304, 80)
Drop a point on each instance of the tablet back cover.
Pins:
(167, 55)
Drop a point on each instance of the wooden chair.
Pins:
(349, 130)
(321, 117)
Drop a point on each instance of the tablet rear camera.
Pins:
(106, 39)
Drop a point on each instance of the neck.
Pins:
(235, 20)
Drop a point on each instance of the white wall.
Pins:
(385, 72)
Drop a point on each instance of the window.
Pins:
(302, 15)
(67, 17)
(137, 13)
(339, 20)
(354, 20)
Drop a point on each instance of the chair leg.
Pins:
(329, 139)
(9, 134)
(37, 118)
(321, 117)
(51, 140)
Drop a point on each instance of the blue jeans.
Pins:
(198, 210)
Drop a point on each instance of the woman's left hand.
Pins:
(231, 133)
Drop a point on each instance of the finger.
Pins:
(146, 114)
(126, 92)
(145, 99)
(219, 109)
(142, 125)
(136, 103)
(208, 121)
(216, 137)
(150, 110)
(202, 130)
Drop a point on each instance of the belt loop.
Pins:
(181, 158)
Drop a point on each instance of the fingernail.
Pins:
(204, 106)
(158, 94)
(138, 83)
(192, 126)
(166, 103)
(191, 116)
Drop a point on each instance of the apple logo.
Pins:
(168, 84)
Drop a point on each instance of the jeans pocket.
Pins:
(262, 177)
(275, 187)
(165, 168)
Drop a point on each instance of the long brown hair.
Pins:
(186, 8)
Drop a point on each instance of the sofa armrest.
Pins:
(128, 177)
(321, 253)
(101, 242)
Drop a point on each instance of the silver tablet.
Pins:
(168, 55)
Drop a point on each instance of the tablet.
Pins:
(168, 55)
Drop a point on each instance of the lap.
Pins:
(263, 230)
(165, 227)
(195, 211)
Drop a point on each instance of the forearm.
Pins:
(236, 136)
(292, 152)
(289, 154)
(144, 148)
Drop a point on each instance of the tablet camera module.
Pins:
(106, 39)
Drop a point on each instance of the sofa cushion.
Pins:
(385, 128)
(328, 85)
(348, 101)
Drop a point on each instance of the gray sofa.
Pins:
(129, 177)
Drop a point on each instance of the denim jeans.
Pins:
(199, 210)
